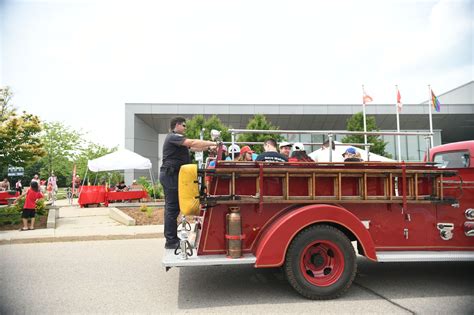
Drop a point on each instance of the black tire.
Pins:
(330, 253)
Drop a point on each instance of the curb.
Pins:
(80, 238)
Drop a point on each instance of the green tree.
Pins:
(6, 108)
(61, 144)
(92, 151)
(19, 135)
(356, 123)
(194, 126)
(259, 122)
(20, 140)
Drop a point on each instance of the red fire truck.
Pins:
(312, 218)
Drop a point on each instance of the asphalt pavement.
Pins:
(126, 276)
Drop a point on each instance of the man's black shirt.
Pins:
(174, 153)
(271, 156)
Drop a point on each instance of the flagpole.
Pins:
(365, 124)
(398, 129)
(430, 103)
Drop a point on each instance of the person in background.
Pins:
(285, 148)
(19, 186)
(224, 156)
(299, 154)
(36, 179)
(29, 208)
(136, 186)
(271, 154)
(53, 181)
(121, 186)
(246, 154)
(322, 155)
(233, 149)
(5, 185)
(350, 155)
(175, 154)
(42, 183)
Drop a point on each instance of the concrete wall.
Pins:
(142, 139)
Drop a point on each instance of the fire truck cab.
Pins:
(312, 218)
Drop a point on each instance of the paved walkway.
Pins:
(76, 224)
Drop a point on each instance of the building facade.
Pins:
(146, 124)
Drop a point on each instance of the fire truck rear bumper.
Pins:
(172, 260)
(413, 256)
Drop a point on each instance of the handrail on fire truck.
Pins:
(350, 182)
(331, 133)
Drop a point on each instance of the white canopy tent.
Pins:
(121, 159)
(341, 148)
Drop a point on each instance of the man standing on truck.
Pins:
(176, 153)
(271, 154)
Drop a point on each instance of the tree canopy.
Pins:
(19, 135)
(356, 123)
(194, 126)
(259, 122)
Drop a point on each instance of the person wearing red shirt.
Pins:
(29, 211)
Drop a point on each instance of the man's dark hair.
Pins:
(326, 144)
(271, 142)
(176, 120)
(34, 186)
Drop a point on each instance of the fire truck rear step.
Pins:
(414, 256)
(172, 260)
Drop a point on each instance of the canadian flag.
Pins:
(366, 98)
(399, 101)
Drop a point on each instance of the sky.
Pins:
(80, 61)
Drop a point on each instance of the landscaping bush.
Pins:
(11, 215)
(149, 188)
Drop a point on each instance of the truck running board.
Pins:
(414, 256)
(172, 260)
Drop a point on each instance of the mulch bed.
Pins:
(40, 223)
(142, 218)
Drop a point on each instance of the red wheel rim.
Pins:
(322, 263)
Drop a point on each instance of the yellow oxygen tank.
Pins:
(188, 190)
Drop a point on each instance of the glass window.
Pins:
(391, 146)
(458, 159)
(413, 147)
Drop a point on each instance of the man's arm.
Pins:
(198, 145)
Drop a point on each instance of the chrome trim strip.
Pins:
(413, 256)
(172, 260)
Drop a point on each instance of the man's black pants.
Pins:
(169, 181)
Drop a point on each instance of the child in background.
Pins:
(29, 209)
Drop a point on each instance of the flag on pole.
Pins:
(366, 98)
(73, 178)
(435, 102)
(399, 101)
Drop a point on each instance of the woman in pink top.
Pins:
(29, 210)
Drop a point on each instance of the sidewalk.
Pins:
(81, 224)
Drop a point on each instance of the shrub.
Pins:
(9, 216)
(143, 208)
(12, 215)
(149, 212)
(40, 205)
(149, 187)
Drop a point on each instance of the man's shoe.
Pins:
(171, 245)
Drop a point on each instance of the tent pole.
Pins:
(83, 181)
(152, 184)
